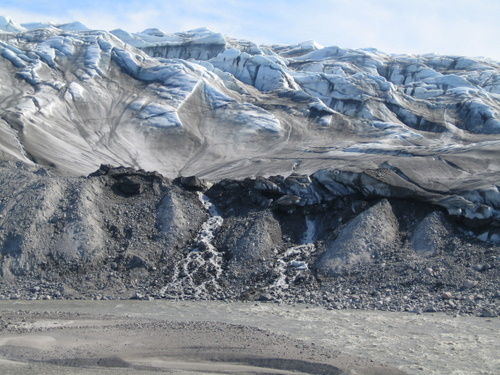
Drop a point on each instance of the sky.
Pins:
(457, 27)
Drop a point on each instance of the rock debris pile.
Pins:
(358, 242)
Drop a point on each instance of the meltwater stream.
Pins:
(292, 264)
(197, 274)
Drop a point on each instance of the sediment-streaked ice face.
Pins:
(198, 102)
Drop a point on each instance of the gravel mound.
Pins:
(125, 233)
(358, 242)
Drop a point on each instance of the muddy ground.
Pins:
(125, 337)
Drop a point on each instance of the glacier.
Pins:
(201, 103)
(198, 165)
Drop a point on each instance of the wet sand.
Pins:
(136, 337)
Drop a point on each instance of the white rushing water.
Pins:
(198, 273)
(293, 262)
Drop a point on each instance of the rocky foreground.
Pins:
(340, 239)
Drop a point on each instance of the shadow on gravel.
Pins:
(112, 362)
(293, 365)
(266, 363)
(284, 364)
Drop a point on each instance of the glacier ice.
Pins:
(6, 24)
(204, 103)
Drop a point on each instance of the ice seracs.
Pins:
(6, 24)
(266, 73)
(200, 102)
(71, 26)
(200, 44)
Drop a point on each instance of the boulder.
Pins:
(267, 187)
(287, 202)
(128, 186)
(135, 261)
(191, 183)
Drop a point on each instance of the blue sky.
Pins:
(466, 27)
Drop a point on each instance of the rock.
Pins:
(374, 230)
(135, 261)
(430, 309)
(128, 186)
(450, 303)
(287, 201)
(41, 172)
(130, 182)
(480, 267)
(265, 297)
(446, 295)
(488, 313)
(137, 296)
(191, 183)
(468, 284)
(267, 187)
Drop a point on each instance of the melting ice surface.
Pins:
(83, 95)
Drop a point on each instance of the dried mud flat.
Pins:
(139, 337)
